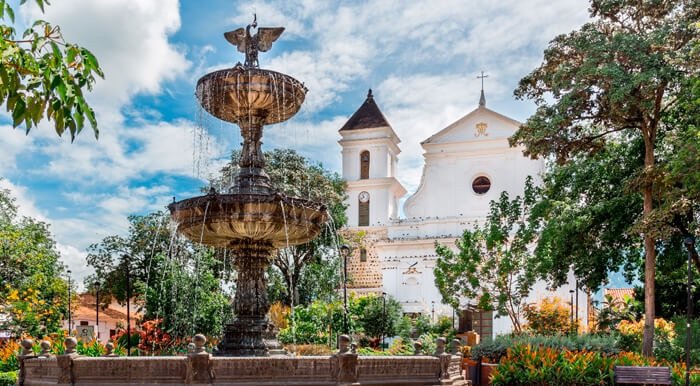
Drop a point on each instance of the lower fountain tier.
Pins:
(224, 220)
(249, 338)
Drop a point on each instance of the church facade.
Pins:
(466, 166)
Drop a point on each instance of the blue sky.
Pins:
(420, 58)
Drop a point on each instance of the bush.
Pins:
(674, 349)
(630, 335)
(549, 317)
(8, 378)
(493, 351)
(529, 365)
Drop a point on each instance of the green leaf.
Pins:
(18, 112)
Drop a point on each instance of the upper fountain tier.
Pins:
(249, 95)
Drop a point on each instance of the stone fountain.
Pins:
(253, 218)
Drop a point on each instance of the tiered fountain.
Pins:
(252, 219)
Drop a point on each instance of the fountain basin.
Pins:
(240, 93)
(203, 370)
(225, 220)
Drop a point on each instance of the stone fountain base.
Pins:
(204, 370)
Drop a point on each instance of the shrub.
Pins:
(8, 378)
(310, 349)
(549, 317)
(8, 356)
(630, 335)
(493, 351)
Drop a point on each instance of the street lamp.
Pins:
(97, 309)
(345, 251)
(70, 317)
(128, 305)
(689, 245)
(383, 319)
(571, 292)
(432, 312)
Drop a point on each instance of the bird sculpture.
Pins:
(251, 44)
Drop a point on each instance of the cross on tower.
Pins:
(482, 99)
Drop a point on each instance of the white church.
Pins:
(466, 165)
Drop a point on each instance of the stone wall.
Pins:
(202, 369)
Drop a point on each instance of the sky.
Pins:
(420, 58)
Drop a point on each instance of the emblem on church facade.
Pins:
(481, 129)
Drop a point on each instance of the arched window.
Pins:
(363, 209)
(363, 255)
(364, 165)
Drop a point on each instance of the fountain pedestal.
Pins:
(251, 334)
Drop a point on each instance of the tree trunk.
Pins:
(650, 253)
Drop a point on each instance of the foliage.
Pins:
(532, 365)
(672, 280)
(320, 322)
(9, 351)
(616, 77)
(42, 75)
(8, 378)
(614, 311)
(675, 350)
(630, 334)
(33, 294)
(279, 315)
(173, 279)
(149, 338)
(492, 262)
(308, 263)
(306, 350)
(549, 317)
(374, 319)
(497, 348)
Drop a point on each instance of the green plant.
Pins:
(548, 317)
(494, 350)
(8, 378)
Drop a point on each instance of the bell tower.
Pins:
(370, 149)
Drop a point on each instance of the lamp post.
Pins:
(383, 319)
(97, 309)
(70, 316)
(345, 251)
(571, 292)
(432, 312)
(128, 305)
(689, 245)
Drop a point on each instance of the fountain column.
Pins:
(249, 333)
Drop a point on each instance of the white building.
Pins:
(467, 165)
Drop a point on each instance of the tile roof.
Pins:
(367, 116)
(619, 294)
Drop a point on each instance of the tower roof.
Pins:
(367, 116)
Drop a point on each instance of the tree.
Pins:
(42, 75)
(33, 294)
(492, 264)
(375, 319)
(296, 176)
(174, 280)
(617, 75)
(585, 213)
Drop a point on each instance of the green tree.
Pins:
(172, 278)
(616, 75)
(492, 262)
(42, 75)
(377, 318)
(296, 176)
(32, 293)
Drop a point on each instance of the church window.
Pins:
(364, 165)
(363, 255)
(363, 209)
(481, 185)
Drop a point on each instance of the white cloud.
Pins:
(130, 40)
